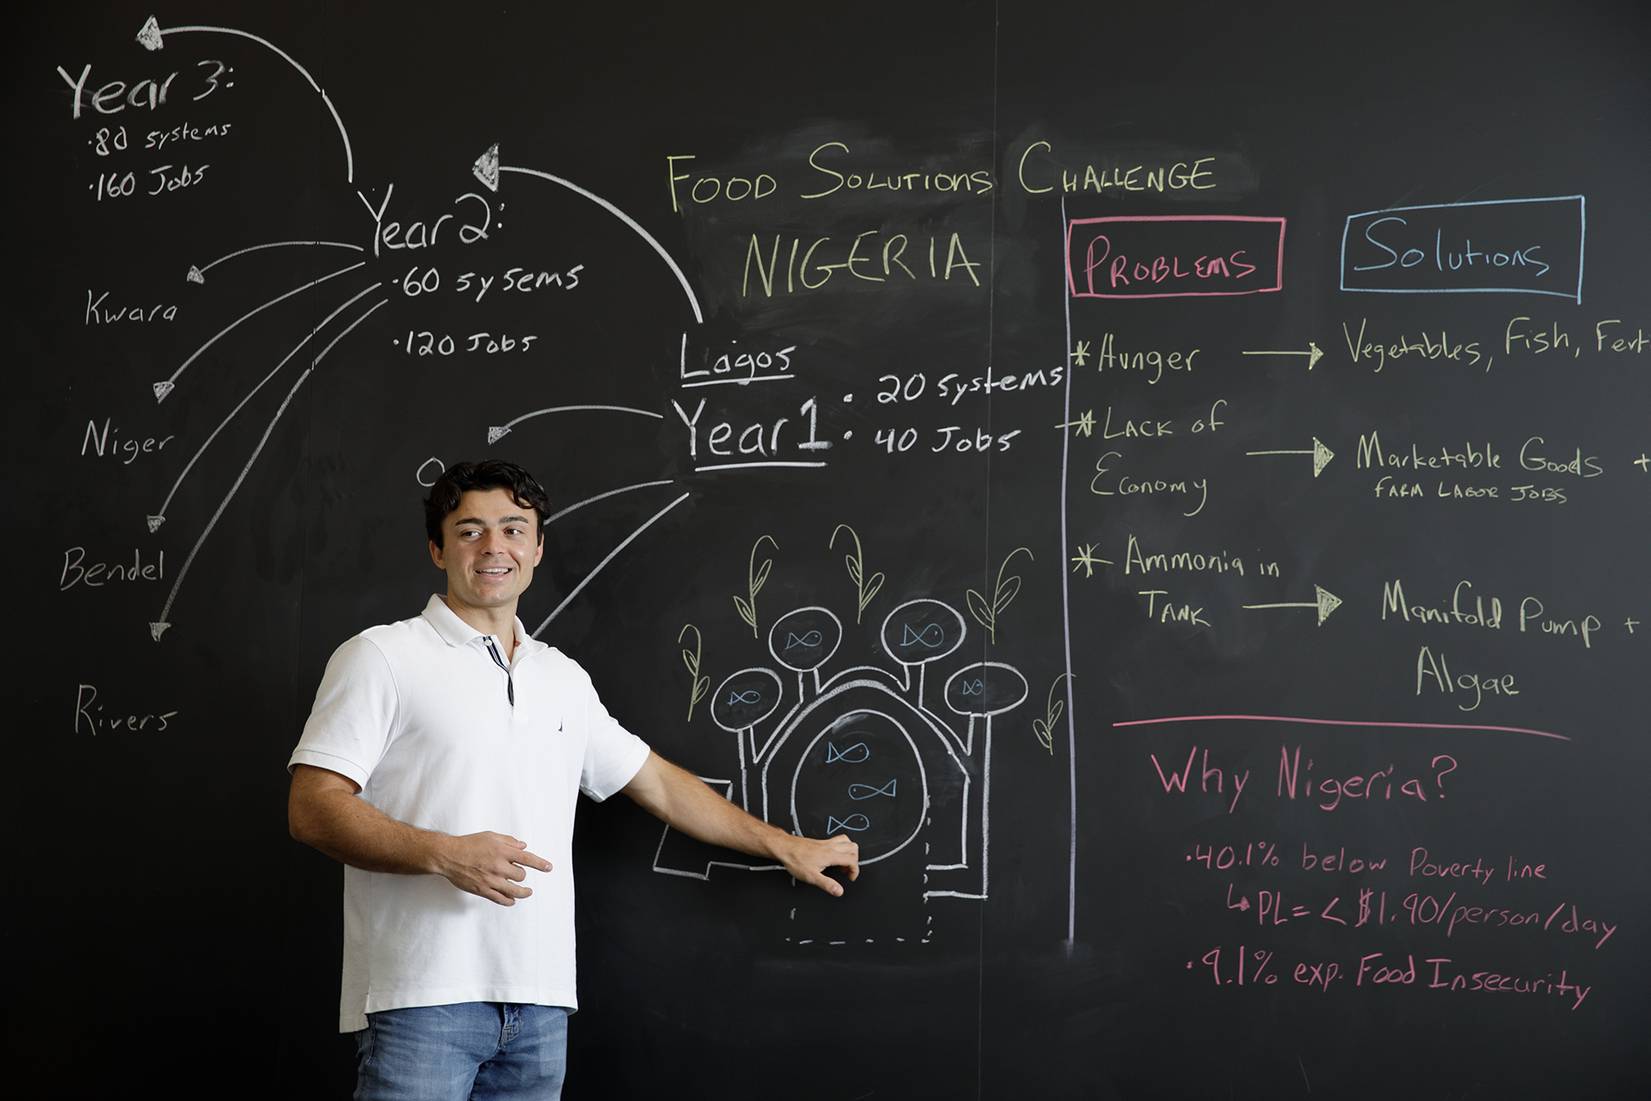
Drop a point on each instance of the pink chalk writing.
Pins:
(1374, 972)
(1297, 778)
(1174, 256)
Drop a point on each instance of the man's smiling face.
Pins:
(490, 545)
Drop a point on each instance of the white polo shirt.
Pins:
(419, 714)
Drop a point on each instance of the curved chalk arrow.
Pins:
(614, 553)
(158, 627)
(577, 505)
(487, 169)
(500, 431)
(158, 518)
(153, 37)
(198, 274)
(166, 386)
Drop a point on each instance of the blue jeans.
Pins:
(473, 1051)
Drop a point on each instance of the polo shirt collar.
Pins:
(456, 632)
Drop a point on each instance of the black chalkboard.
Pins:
(1172, 482)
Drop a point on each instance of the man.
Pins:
(440, 764)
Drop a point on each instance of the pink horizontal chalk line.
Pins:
(1340, 722)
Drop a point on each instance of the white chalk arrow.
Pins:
(158, 627)
(153, 37)
(1321, 455)
(614, 553)
(499, 431)
(487, 169)
(164, 388)
(1325, 603)
(155, 520)
(577, 505)
(198, 274)
(1313, 353)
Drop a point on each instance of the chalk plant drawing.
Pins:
(1053, 709)
(755, 578)
(865, 587)
(863, 750)
(697, 685)
(1003, 594)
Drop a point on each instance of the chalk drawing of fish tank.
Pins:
(865, 751)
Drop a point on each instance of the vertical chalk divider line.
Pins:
(1066, 595)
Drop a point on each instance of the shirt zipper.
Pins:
(509, 681)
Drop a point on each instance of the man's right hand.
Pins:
(491, 865)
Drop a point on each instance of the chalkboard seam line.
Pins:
(161, 513)
(1067, 289)
(1169, 719)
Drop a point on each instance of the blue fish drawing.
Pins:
(752, 696)
(810, 638)
(869, 791)
(854, 823)
(857, 754)
(930, 635)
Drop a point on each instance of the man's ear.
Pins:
(436, 556)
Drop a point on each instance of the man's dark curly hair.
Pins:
(523, 488)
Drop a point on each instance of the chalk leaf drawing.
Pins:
(698, 685)
(866, 587)
(755, 577)
(986, 611)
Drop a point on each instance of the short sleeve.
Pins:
(354, 713)
(613, 755)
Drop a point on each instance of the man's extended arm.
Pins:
(325, 811)
(682, 799)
